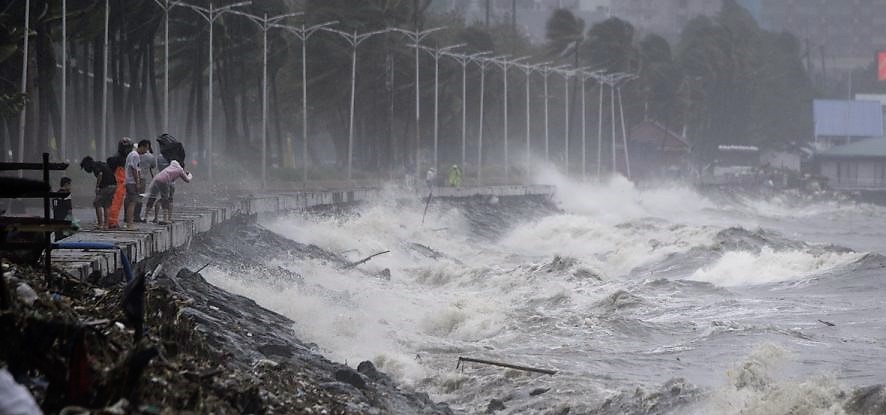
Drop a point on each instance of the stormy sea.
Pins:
(658, 300)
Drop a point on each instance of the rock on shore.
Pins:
(205, 350)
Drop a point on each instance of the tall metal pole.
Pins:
(584, 134)
(545, 74)
(463, 60)
(436, 104)
(63, 133)
(600, 133)
(614, 128)
(264, 104)
(417, 118)
(624, 135)
(353, 98)
(104, 122)
(464, 109)
(504, 71)
(480, 134)
(566, 135)
(304, 33)
(23, 117)
(304, 104)
(210, 15)
(209, 155)
(528, 132)
(166, 66)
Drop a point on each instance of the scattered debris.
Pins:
(495, 405)
(364, 260)
(507, 365)
(538, 391)
(827, 323)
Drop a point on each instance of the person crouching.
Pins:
(161, 188)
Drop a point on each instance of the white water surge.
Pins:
(556, 290)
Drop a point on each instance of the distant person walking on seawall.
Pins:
(431, 177)
(160, 188)
(454, 179)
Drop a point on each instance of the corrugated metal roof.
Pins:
(848, 118)
(867, 148)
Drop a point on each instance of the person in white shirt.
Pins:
(132, 181)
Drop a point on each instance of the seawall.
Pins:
(151, 241)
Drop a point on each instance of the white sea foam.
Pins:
(737, 268)
(754, 388)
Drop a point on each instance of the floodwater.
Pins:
(664, 300)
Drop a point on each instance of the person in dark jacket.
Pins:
(105, 186)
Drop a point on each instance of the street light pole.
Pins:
(63, 132)
(436, 53)
(303, 34)
(600, 80)
(624, 133)
(504, 63)
(481, 62)
(354, 40)
(210, 15)
(463, 60)
(545, 71)
(265, 23)
(104, 122)
(416, 37)
(166, 6)
(527, 69)
(23, 117)
(566, 73)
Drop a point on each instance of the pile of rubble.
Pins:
(78, 349)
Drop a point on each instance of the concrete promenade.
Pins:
(151, 240)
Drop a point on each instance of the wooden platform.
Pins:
(150, 240)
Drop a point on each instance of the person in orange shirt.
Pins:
(117, 164)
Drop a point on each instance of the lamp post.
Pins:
(104, 122)
(600, 80)
(354, 39)
(416, 36)
(566, 73)
(464, 60)
(23, 117)
(624, 133)
(210, 15)
(504, 64)
(166, 5)
(545, 72)
(482, 63)
(64, 109)
(304, 33)
(436, 53)
(584, 76)
(265, 23)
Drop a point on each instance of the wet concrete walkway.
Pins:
(151, 240)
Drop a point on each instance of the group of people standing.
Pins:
(132, 173)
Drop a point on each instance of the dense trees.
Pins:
(725, 80)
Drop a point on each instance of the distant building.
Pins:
(844, 121)
(857, 166)
(841, 34)
(656, 151)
